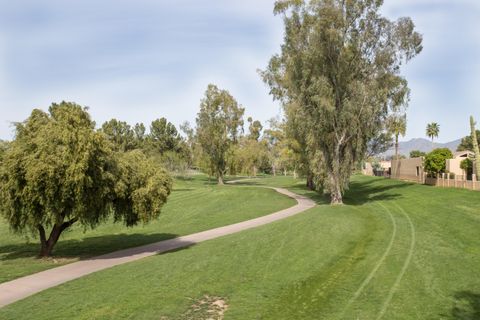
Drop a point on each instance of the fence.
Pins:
(456, 181)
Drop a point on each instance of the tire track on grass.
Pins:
(379, 263)
(405, 265)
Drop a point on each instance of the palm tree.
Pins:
(397, 125)
(432, 130)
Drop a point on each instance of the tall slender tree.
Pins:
(432, 131)
(219, 123)
(397, 125)
(340, 63)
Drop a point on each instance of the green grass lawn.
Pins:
(394, 251)
(195, 205)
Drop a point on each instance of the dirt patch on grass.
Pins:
(207, 308)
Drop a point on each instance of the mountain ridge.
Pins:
(422, 144)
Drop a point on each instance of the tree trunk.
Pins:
(220, 180)
(336, 197)
(294, 173)
(254, 171)
(47, 245)
(285, 172)
(310, 182)
(396, 147)
(274, 170)
(334, 176)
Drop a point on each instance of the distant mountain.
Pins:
(423, 145)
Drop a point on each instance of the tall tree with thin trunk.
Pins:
(340, 63)
(432, 131)
(397, 125)
(476, 149)
(219, 123)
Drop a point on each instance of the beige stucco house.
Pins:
(408, 169)
(453, 165)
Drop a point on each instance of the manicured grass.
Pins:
(195, 205)
(394, 251)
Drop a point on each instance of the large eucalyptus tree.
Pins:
(340, 63)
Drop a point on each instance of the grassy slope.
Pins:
(194, 206)
(358, 261)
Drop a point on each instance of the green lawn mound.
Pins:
(394, 251)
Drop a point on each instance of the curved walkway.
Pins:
(21, 288)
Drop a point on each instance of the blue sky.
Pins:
(144, 59)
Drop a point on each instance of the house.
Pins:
(453, 165)
(381, 168)
(408, 169)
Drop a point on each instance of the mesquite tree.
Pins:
(340, 63)
(219, 122)
(59, 171)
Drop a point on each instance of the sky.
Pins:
(145, 59)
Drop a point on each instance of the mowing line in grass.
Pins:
(405, 265)
(379, 263)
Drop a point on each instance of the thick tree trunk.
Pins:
(220, 180)
(334, 176)
(295, 173)
(336, 197)
(47, 245)
(310, 182)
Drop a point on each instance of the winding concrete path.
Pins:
(21, 288)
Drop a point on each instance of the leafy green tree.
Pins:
(274, 135)
(120, 134)
(380, 143)
(340, 63)
(163, 136)
(417, 154)
(251, 155)
(139, 134)
(467, 166)
(3, 148)
(219, 122)
(436, 161)
(467, 142)
(255, 129)
(59, 171)
(475, 143)
(397, 124)
(432, 131)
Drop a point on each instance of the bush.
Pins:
(436, 161)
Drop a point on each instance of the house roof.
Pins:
(463, 154)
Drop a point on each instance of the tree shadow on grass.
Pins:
(362, 192)
(466, 306)
(83, 248)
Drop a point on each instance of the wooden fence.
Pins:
(446, 181)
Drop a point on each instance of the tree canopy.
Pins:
(417, 154)
(340, 66)
(435, 161)
(219, 122)
(432, 130)
(59, 171)
(467, 142)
